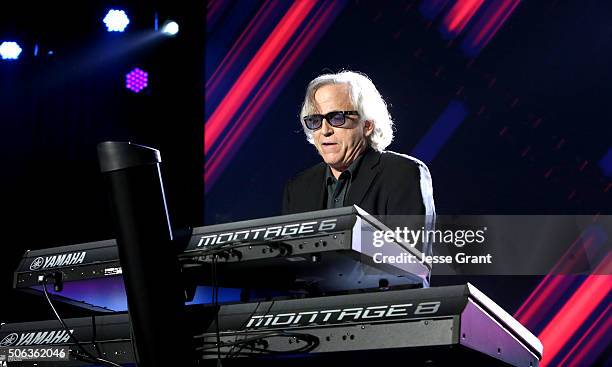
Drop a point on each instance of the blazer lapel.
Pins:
(315, 199)
(365, 177)
(319, 195)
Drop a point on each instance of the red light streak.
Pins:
(254, 71)
(460, 14)
(576, 311)
(261, 99)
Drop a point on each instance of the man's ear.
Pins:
(368, 128)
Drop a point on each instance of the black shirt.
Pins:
(337, 188)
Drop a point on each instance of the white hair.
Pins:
(366, 99)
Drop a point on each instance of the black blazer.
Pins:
(386, 183)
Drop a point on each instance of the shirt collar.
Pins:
(349, 172)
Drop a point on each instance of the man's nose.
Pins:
(326, 128)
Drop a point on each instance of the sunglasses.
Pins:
(335, 119)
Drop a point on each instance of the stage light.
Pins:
(136, 80)
(170, 28)
(116, 20)
(9, 50)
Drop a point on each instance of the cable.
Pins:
(215, 301)
(302, 336)
(311, 340)
(231, 246)
(74, 339)
(94, 336)
(236, 343)
(214, 252)
(241, 326)
(215, 304)
(231, 353)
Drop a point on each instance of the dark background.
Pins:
(56, 108)
(538, 101)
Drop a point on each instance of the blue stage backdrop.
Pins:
(506, 101)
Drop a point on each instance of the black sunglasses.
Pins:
(335, 119)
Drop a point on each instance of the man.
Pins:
(346, 119)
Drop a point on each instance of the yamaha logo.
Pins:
(37, 263)
(55, 261)
(45, 337)
(9, 340)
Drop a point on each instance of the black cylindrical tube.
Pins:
(150, 267)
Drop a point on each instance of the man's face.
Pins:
(339, 146)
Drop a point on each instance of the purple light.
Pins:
(108, 294)
(103, 293)
(136, 80)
